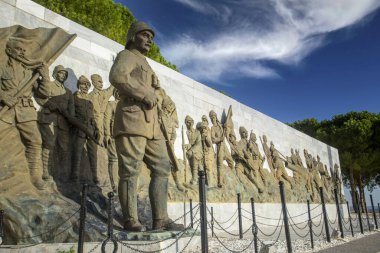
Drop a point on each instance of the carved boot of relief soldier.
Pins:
(47, 163)
(177, 182)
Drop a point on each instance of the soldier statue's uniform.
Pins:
(137, 131)
(22, 114)
(84, 111)
(54, 128)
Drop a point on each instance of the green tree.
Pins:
(103, 16)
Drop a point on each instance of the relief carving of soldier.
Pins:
(109, 141)
(137, 131)
(258, 159)
(54, 127)
(279, 167)
(208, 152)
(99, 99)
(299, 172)
(194, 151)
(244, 161)
(84, 111)
(170, 120)
(15, 72)
(268, 154)
(222, 153)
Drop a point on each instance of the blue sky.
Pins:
(290, 59)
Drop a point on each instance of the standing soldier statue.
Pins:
(137, 132)
(222, 153)
(109, 141)
(54, 127)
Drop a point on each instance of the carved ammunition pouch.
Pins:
(26, 102)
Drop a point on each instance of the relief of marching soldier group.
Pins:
(67, 124)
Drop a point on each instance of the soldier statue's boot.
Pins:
(128, 202)
(35, 169)
(134, 226)
(194, 176)
(158, 195)
(46, 164)
(167, 224)
(112, 166)
(180, 187)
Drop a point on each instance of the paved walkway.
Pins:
(368, 244)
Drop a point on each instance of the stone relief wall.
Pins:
(75, 122)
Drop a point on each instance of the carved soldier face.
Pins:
(84, 86)
(143, 41)
(61, 76)
(189, 123)
(15, 50)
(243, 134)
(98, 83)
(213, 119)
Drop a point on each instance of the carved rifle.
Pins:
(169, 145)
(184, 153)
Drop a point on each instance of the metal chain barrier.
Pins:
(301, 236)
(320, 221)
(262, 217)
(231, 250)
(318, 235)
(96, 246)
(278, 225)
(229, 219)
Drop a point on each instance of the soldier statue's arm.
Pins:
(7, 97)
(121, 77)
(107, 124)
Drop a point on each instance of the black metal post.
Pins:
(325, 215)
(285, 215)
(254, 225)
(203, 209)
(310, 225)
(212, 221)
(349, 218)
(378, 208)
(184, 213)
(110, 236)
(338, 212)
(373, 211)
(239, 216)
(2, 225)
(191, 214)
(83, 211)
(366, 213)
(360, 220)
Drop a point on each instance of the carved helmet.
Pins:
(57, 69)
(135, 28)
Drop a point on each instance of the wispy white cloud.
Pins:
(260, 32)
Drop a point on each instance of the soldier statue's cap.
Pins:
(135, 28)
(57, 69)
(83, 79)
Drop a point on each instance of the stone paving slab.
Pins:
(368, 244)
